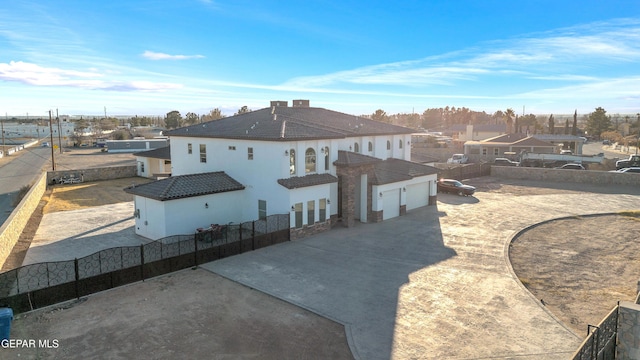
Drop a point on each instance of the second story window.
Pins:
(388, 145)
(400, 143)
(326, 158)
(203, 153)
(250, 153)
(310, 161)
(292, 162)
(356, 147)
(370, 146)
(189, 149)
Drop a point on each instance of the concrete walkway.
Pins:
(435, 283)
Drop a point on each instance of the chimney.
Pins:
(300, 103)
(279, 103)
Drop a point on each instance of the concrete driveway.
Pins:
(435, 283)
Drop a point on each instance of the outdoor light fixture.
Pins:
(293, 208)
(328, 201)
(404, 189)
(286, 153)
(206, 205)
(380, 194)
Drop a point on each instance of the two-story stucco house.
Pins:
(317, 165)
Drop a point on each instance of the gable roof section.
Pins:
(479, 128)
(160, 153)
(505, 139)
(532, 141)
(184, 186)
(393, 170)
(307, 180)
(349, 158)
(289, 123)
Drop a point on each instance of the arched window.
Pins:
(356, 147)
(388, 145)
(292, 162)
(326, 158)
(310, 161)
(370, 146)
(400, 143)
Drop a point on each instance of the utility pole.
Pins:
(2, 124)
(53, 162)
(59, 131)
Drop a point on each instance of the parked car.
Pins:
(627, 170)
(572, 167)
(606, 142)
(566, 152)
(455, 187)
(505, 162)
(458, 159)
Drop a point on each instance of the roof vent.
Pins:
(275, 117)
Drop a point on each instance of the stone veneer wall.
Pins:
(96, 174)
(308, 230)
(562, 175)
(14, 225)
(628, 345)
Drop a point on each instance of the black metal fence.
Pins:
(37, 285)
(600, 343)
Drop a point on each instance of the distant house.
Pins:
(135, 145)
(507, 145)
(461, 133)
(319, 166)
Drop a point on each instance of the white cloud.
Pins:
(36, 75)
(151, 55)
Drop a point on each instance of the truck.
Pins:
(552, 160)
(633, 160)
(458, 159)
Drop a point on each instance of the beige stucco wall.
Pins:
(563, 175)
(15, 224)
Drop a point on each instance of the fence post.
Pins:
(195, 247)
(142, 261)
(76, 269)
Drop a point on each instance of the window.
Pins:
(388, 145)
(203, 153)
(496, 151)
(310, 161)
(356, 147)
(484, 151)
(400, 143)
(292, 162)
(370, 146)
(298, 209)
(322, 210)
(232, 147)
(326, 158)
(189, 149)
(262, 209)
(311, 211)
(142, 167)
(250, 153)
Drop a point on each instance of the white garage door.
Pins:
(417, 195)
(390, 204)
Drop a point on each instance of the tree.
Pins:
(574, 129)
(192, 118)
(380, 115)
(214, 114)
(509, 115)
(552, 124)
(173, 119)
(598, 122)
(243, 110)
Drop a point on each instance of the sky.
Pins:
(149, 57)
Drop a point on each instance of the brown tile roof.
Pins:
(393, 170)
(289, 123)
(160, 153)
(307, 180)
(349, 158)
(184, 186)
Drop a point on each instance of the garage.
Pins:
(390, 204)
(417, 195)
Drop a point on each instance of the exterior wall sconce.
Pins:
(293, 208)
(322, 150)
(206, 205)
(286, 153)
(404, 189)
(380, 194)
(328, 202)
(350, 147)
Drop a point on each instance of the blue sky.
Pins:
(150, 57)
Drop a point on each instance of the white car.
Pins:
(627, 170)
(458, 159)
